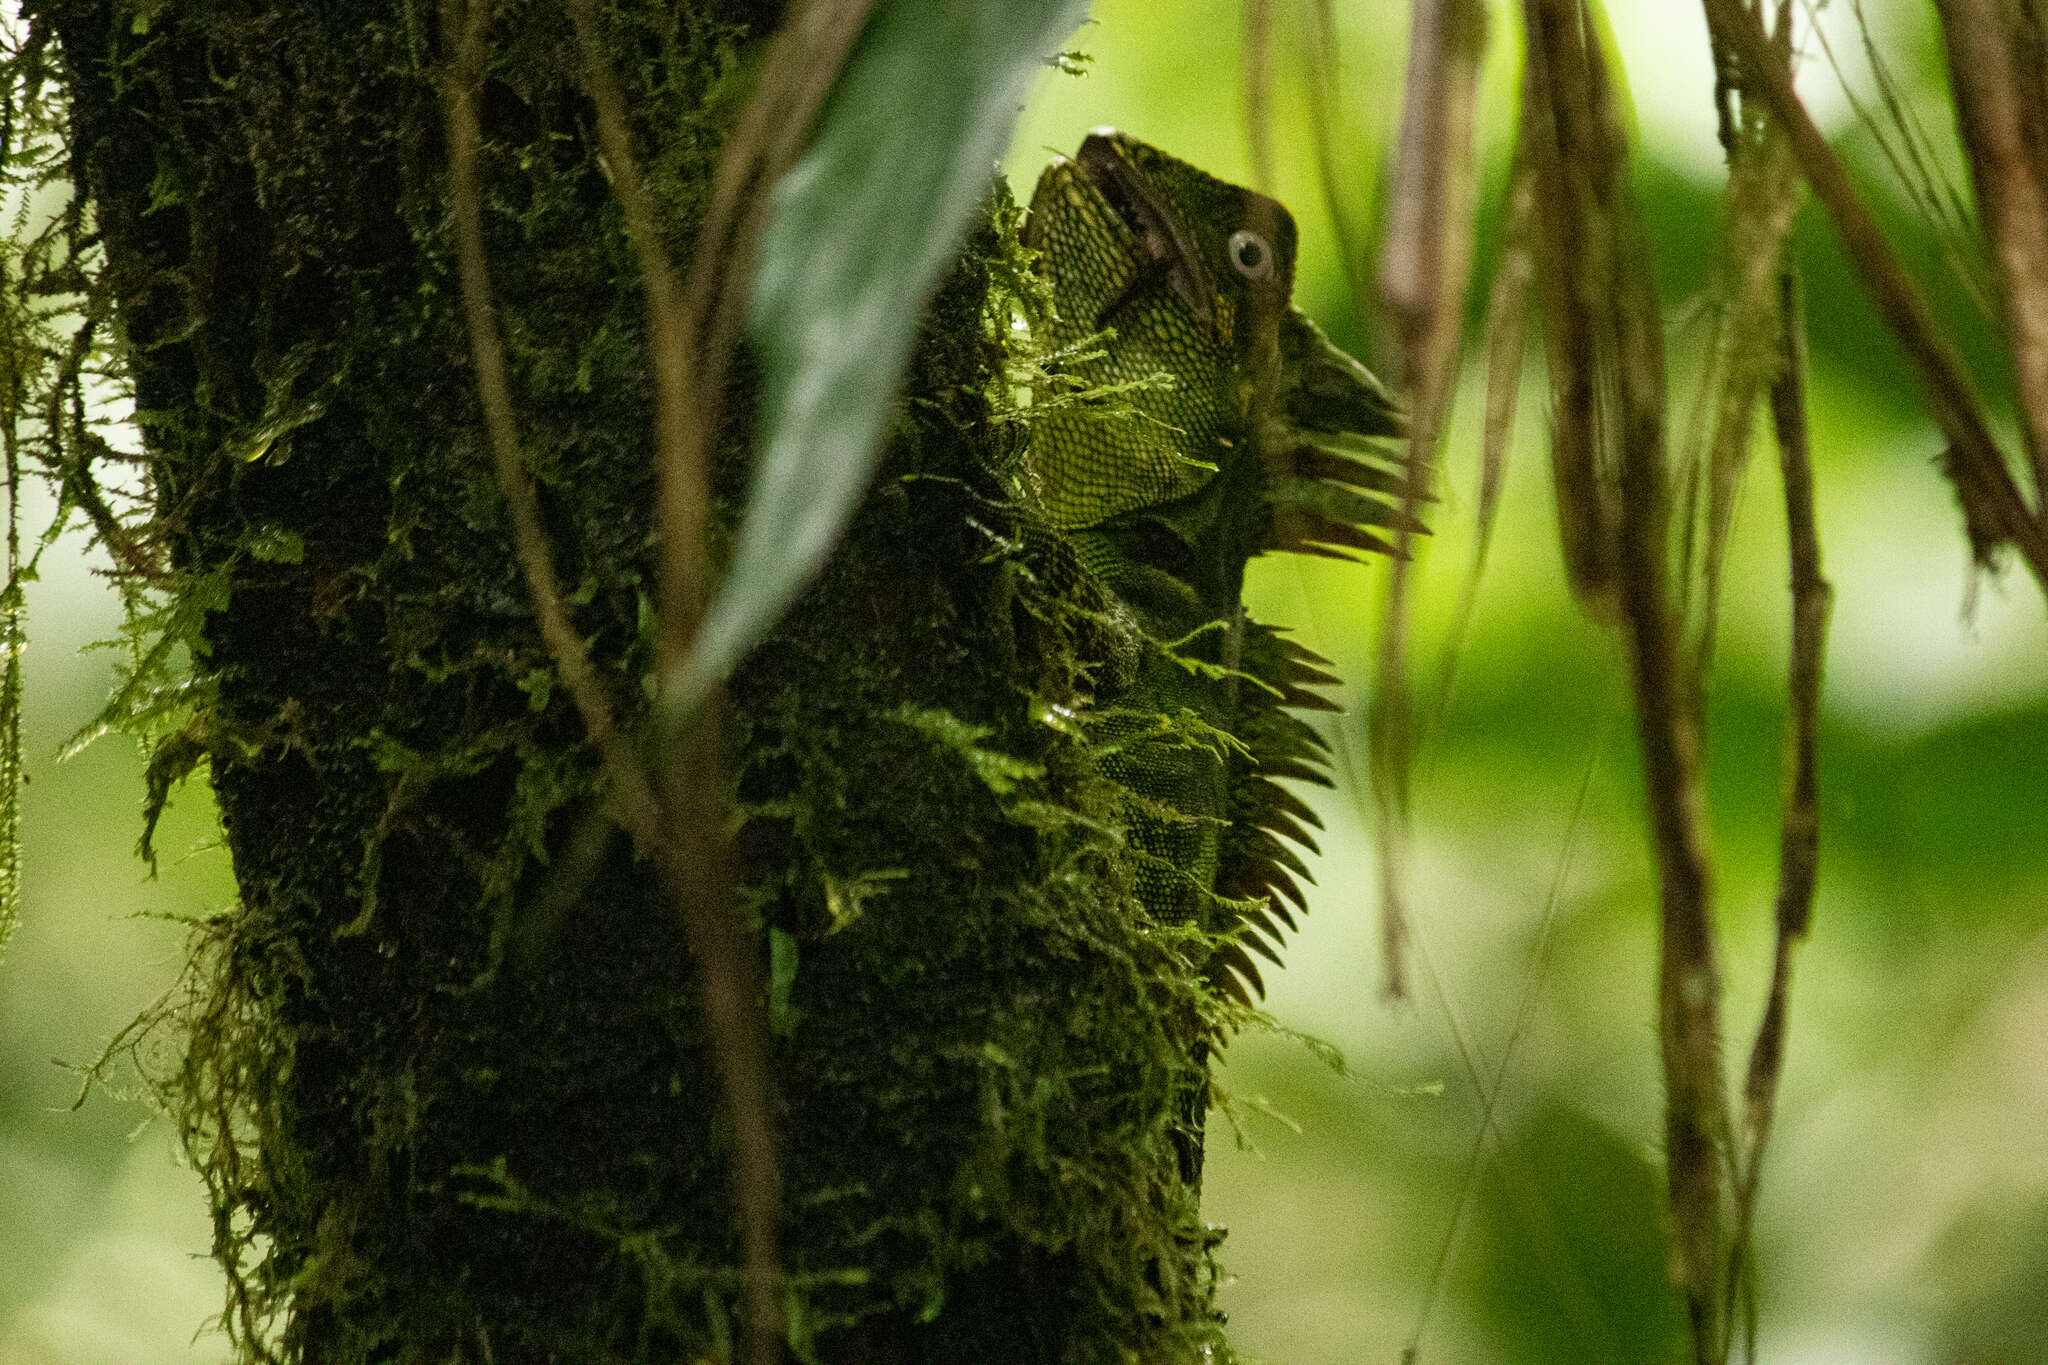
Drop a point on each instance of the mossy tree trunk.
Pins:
(444, 1070)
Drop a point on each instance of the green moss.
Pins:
(442, 1068)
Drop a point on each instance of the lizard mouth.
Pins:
(1163, 246)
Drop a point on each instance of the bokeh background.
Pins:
(1905, 1213)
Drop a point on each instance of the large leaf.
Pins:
(863, 226)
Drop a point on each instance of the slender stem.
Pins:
(1994, 512)
(681, 827)
(1993, 53)
(1423, 274)
(1605, 302)
(1799, 834)
(692, 768)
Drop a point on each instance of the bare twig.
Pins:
(464, 21)
(1994, 65)
(680, 432)
(1594, 227)
(1994, 512)
(682, 834)
(691, 768)
(1742, 357)
(1423, 274)
(1799, 837)
(1576, 269)
(1688, 980)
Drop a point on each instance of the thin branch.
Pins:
(1583, 159)
(692, 767)
(1994, 513)
(1424, 271)
(1576, 270)
(679, 430)
(1799, 836)
(1995, 72)
(682, 837)
(464, 22)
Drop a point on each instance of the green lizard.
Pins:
(1252, 443)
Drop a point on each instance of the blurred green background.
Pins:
(1905, 1212)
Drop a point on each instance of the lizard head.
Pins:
(1158, 269)
(1180, 275)
(1154, 246)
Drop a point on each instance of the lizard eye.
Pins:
(1250, 254)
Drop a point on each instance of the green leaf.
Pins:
(862, 229)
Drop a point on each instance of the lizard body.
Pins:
(1258, 439)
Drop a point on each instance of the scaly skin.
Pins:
(1163, 503)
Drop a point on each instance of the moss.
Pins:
(443, 1072)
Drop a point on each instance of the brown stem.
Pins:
(1994, 512)
(1575, 268)
(681, 827)
(679, 429)
(692, 770)
(464, 22)
(1608, 305)
(1423, 274)
(1994, 65)
(1799, 836)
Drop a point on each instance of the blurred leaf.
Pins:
(1993, 1263)
(863, 227)
(1576, 1266)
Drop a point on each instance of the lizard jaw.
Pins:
(1160, 238)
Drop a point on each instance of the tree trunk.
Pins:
(445, 1074)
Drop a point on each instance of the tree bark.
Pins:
(444, 1071)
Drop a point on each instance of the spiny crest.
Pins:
(1332, 459)
(1334, 467)
(1267, 821)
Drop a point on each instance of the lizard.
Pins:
(1262, 436)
